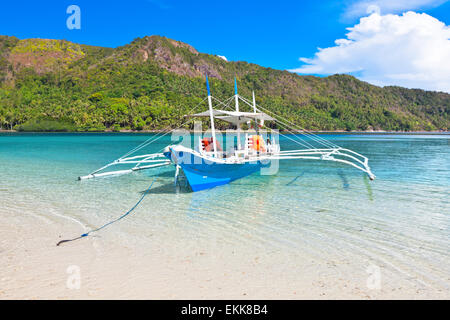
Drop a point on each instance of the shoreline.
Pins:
(243, 131)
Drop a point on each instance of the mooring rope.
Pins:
(111, 222)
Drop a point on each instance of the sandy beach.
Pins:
(34, 268)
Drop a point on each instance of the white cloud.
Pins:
(360, 8)
(410, 50)
(223, 57)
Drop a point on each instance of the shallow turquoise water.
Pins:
(401, 219)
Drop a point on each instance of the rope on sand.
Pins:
(111, 222)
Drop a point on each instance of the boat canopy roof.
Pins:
(205, 114)
(234, 117)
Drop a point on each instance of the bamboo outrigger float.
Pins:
(207, 165)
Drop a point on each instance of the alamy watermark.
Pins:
(74, 20)
(74, 279)
(374, 280)
(249, 146)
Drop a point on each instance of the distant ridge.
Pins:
(151, 82)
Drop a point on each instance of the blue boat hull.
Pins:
(202, 174)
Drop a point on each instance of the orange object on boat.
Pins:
(206, 142)
(208, 145)
(258, 143)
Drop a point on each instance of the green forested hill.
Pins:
(151, 82)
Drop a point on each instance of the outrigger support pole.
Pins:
(146, 161)
(236, 101)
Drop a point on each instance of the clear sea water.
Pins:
(400, 220)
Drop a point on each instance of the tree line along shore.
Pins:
(151, 83)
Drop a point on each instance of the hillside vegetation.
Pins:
(152, 82)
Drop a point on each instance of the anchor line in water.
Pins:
(113, 221)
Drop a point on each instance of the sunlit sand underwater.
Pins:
(314, 229)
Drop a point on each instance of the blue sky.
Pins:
(270, 33)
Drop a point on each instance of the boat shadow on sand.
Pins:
(169, 188)
(183, 187)
(164, 174)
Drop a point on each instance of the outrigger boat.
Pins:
(206, 165)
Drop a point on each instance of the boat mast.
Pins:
(254, 111)
(236, 99)
(256, 120)
(211, 116)
(254, 102)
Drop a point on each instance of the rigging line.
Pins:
(292, 124)
(296, 141)
(311, 136)
(168, 128)
(230, 100)
(319, 141)
(299, 142)
(165, 135)
(305, 132)
(226, 104)
(161, 136)
(152, 139)
(156, 139)
(278, 120)
(287, 128)
(113, 221)
(145, 143)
